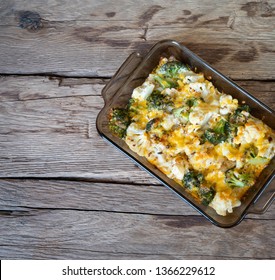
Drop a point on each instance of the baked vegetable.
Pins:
(203, 139)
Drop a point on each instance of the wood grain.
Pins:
(93, 40)
(65, 193)
(21, 88)
(90, 196)
(47, 129)
(81, 234)
(17, 194)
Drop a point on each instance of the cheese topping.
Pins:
(205, 140)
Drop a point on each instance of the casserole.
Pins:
(134, 72)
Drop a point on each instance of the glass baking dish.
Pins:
(133, 72)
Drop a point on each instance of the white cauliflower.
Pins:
(143, 91)
(201, 88)
(223, 205)
(168, 121)
(137, 140)
(192, 77)
(227, 104)
(199, 117)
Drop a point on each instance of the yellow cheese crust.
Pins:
(205, 140)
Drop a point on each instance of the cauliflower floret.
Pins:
(168, 121)
(143, 91)
(137, 139)
(266, 149)
(156, 154)
(170, 92)
(200, 157)
(179, 168)
(255, 128)
(192, 128)
(202, 160)
(199, 118)
(201, 88)
(251, 132)
(231, 153)
(222, 204)
(227, 104)
(192, 77)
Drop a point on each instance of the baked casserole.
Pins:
(205, 140)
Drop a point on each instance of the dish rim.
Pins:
(135, 158)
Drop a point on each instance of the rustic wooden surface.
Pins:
(64, 192)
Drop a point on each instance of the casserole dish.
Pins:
(133, 73)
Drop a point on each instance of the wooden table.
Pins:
(64, 192)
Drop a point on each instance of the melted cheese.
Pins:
(174, 142)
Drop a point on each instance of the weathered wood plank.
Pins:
(93, 39)
(20, 88)
(68, 10)
(16, 194)
(27, 252)
(79, 234)
(47, 129)
(264, 91)
(53, 194)
(68, 146)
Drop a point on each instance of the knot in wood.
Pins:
(29, 20)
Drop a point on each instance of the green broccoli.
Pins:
(168, 74)
(195, 181)
(165, 82)
(157, 100)
(218, 134)
(206, 194)
(243, 107)
(192, 179)
(151, 123)
(181, 113)
(251, 152)
(119, 120)
(171, 69)
(238, 117)
(192, 102)
(235, 179)
(252, 157)
(222, 127)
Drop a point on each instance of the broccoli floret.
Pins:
(252, 157)
(168, 74)
(238, 117)
(192, 179)
(192, 102)
(132, 108)
(210, 136)
(218, 134)
(151, 123)
(119, 120)
(222, 127)
(258, 161)
(243, 107)
(235, 179)
(206, 195)
(251, 152)
(181, 113)
(177, 111)
(165, 82)
(172, 69)
(157, 100)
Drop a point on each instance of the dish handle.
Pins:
(264, 201)
(120, 77)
